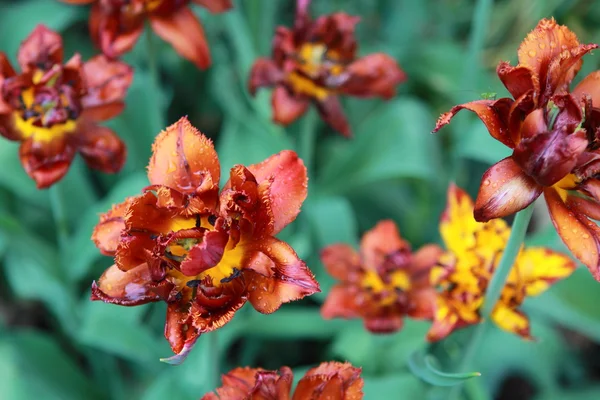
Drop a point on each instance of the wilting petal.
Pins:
(331, 111)
(287, 107)
(539, 267)
(237, 384)
(511, 320)
(504, 190)
(112, 33)
(331, 380)
(340, 302)
(101, 148)
(276, 275)
(125, 288)
(287, 187)
(206, 254)
(518, 80)
(107, 233)
(264, 73)
(107, 83)
(581, 235)
(590, 85)
(254, 383)
(493, 113)
(378, 243)
(215, 6)
(374, 75)
(46, 162)
(184, 32)
(336, 32)
(179, 332)
(41, 49)
(341, 261)
(181, 158)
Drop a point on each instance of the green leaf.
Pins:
(423, 366)
(477, 144)
(390, 386)
(393, 142)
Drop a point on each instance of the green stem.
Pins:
(60, 217)
(307, 139)
(495, 287)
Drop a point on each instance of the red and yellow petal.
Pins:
(112, 33)
(457, 224)
(183, 158)
(43, 47)
(374, 75)
(517, 80)
(340, 302)
(107, 233)
(341, 261)
(185, 33)
(287, 187)
(511, 320)
(590, 85)
(287, 107)
(379, 242)
(106, 82)
(215, 6)
(275, 275)
(47, 162)
(493, 113)
(127, 288)
(581, 235)
(383, 323)
(179, 332)
(331, 380)
(206, 254)
(6, 71)
(539, 267)
(237, 384)
(101, 148)
(504, 190)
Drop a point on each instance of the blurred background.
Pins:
(56, 344)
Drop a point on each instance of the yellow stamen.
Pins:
(305, 86)
(42, 134)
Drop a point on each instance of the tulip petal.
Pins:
(41, 49)
(107, 233)
(46, 162)
(331, 380)
(107, 82)
(102, 149)
(590, 85)
(581, 235)
(511, 320)
(215, 6)
(6, 71)
(378, 243)
(457, 224)
(128, 288)
(78, 1)
(341, 261)
(331, 112)
(374, 75)
(340, 302)
(287, 188)
(206, 254)
(179, 333)
(517, 80)
(385, 323)
(184, 32)
(287, 107)
(493, 113)
(336, 32)
(264, 73)
(113, 34)
(237, 384)
(422, 303)
(539, 267)
(504, 190)
(276, 275)
(183, 158)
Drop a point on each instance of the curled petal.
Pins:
(518, 80)
(331, 111)
(102, 149)
(184, 32)
(340, 302)
(276, 275)
(511, 320)
(107, 233)
(287, 107)
(373, 75)
(341, 261)
(183, 158)
(254, 383)
(379, 243)
(539, 267)
(237, 384)
(114, 33)
(46, 162)
(211, 311)
(107, 82)
(215, 6)
(6, 71)
(179, 332)
(264, 73)
(581, 235)
(493, 113)
(127, 288)
(206, 254)
(504, 190)
(287, 179)
(331, 380)
(590, 85)
(336, 32)
(41, 49)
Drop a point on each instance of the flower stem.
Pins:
(151, 57)
(60, 218)
(307, 138)
(494, 289)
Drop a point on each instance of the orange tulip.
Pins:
(202, 252)
(52, 108)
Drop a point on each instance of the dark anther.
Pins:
(212, 219)
(235, 274)
(153, 236)
(193, 283)
(198, 221)
(178, 296)
(29, 114)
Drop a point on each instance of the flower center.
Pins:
(315, 63)
(398, 281)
